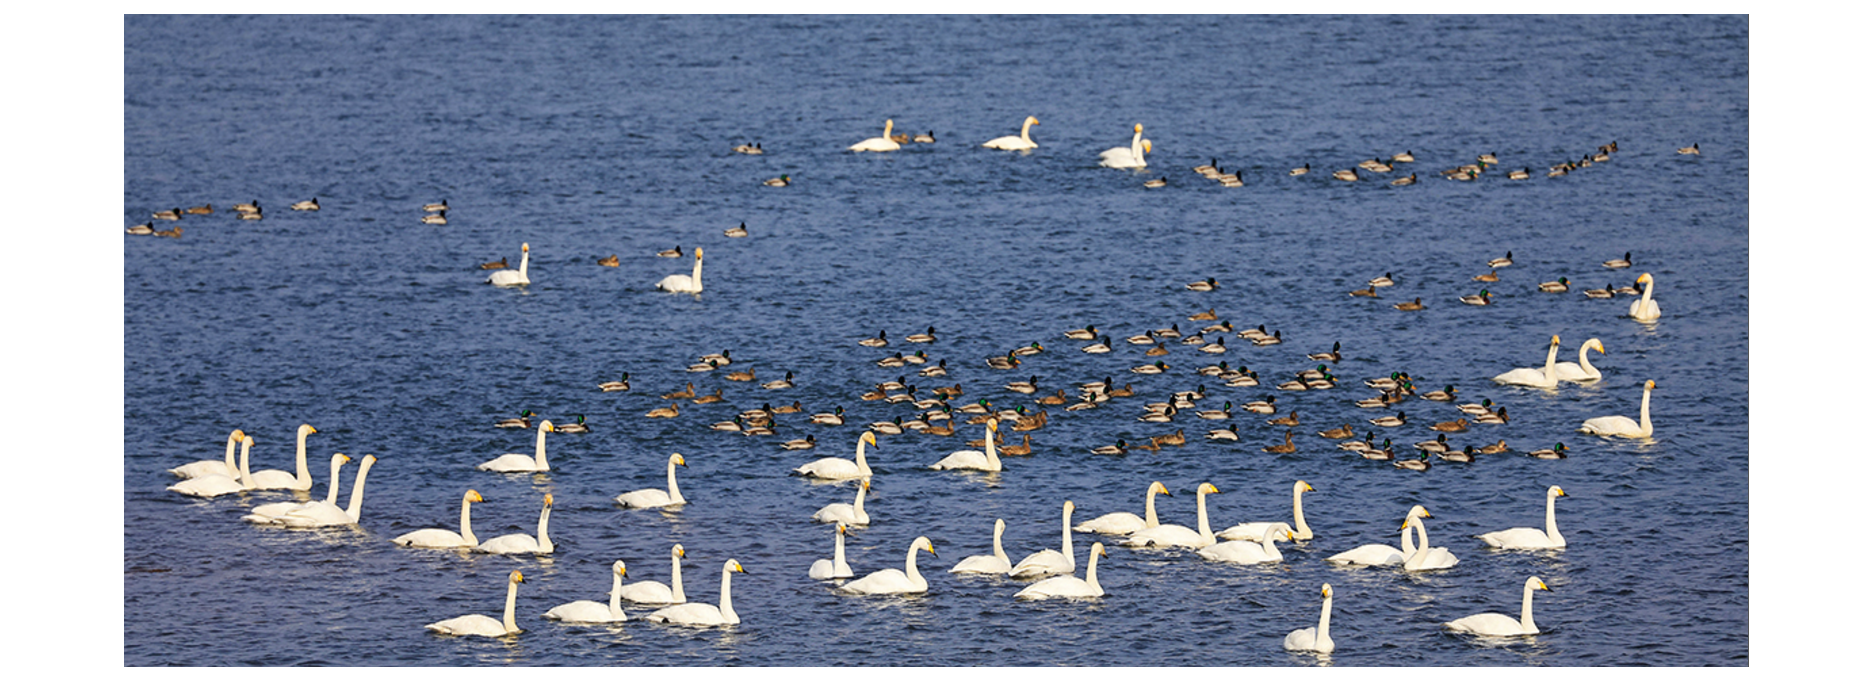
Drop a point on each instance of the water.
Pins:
(586, 137)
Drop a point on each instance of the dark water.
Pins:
(586, 137)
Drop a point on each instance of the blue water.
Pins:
(586, 137)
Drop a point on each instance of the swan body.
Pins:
(1583, 371)
(1622, 426)
(890, 581)
(322, 514)
(1314, 638)
(205, 467)
(655, 497)
(656, 593)
(995, 563)
(839, 469)
(703, 614)
(1248, 531)
(1250, 552)
(1427, 557)
(515, 463)
(481, 625)
(278, 509)
(1133, 156)
(844, 513)
(275, 479)
(518, 543)
(1067, 586)
(442, 538)
(1123, 523)
(514, 278)
(591, 612)
(1044, 563)
(1380, 554)
(973, 459)
(1498, 624)
(1528, 537)
(1535, 377)
(1645, 310)
(1021, 142)
(685, 283)
(1166, 535)
(884, 142)
(838, 567)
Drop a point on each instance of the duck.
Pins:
(1645, 310)
(739, 231)
(203, 209)
(168, 214)
(749, 149)
(1389, 421)
(170, 233)
(1475, 408)
(1465, 455)
(1216, 414)
(1501, 415)
(805, 443)
(1438, 445)
(670, 253)
(1406, 180)
(667, 412)
(1154, 183)
(1345, 431)
(1368, 292)
(925, 337)
(926, 138)
(427, 208)
(1620, 262)
(310, 205)
(1487, 277)
(612, 261)
(1604, 293)
(1267, 405)
(1416, 304)
(1267, 340)
(1087, 333)
(1555, 287)
(1033, 349)
(1518, 174)
(1690, 150)
(718, 395)
(1152, 368)
(934, 370)
(884, 142)
(778, 181)
(1289, 420)
(1495, 448)
(1448, 394)
(686, 394)
(886, 427)
(1347, 175)
(876, 341)
(1423, 463)
(495, 265)
(1204, 285)
(1559, 451)
(1157, 350)
(1478, 299)
(1229, 433)
(439, 218)
(1303, 170)
(1331, 355)
(1118, 448)
(143, 229)
(785, 383)
(1457, 426)
(523, 420)
(1358, 445)
(1021, 142)
(1287, 445)
(579, 426)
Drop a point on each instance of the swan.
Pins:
(1250, 552)
(892, 580)
(1535, 377)
(1123, 523)
(973, 459)
(1314, 638)
(271, 479)
(995, 563)
(844, 513)
(685, 283)
(1068, 586)
(655, 497)
(840, 469)
(656, 593)
(514, 278)
(1645, 310)
(1426, 557)
(1583, 371)
(227, 468)
(1133, 156)
(512, 544)
(1380, 553)
(591, 612)
(279, 509)
(1529, 537)
(1251, 530)
(442, 538)
(705, 614)
(1622, 426)
(481, 625)
(212, 485)
(522, 463)
(321, 514)
(1175, 535)
(1021, 142)
(838, 567)
(1047, 562)
(1498, 624)
(884, 142)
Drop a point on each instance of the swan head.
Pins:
(698, 253)
(246, 441)
(1594, 344)
(1555, 491)
(473, 496)
(1136, 128)
(842, 527)
(866, 436)
(1642, 279)
(677, 458)
(340, 458)
(1097, 550)
(1068, 507)
(546, 427)
(680, 552)
(1207, 489)
(1303, 487)
(524, 248)
(305, 429)
(733, 566)
(548, 500)
(619, 568)
(517, 577)
(1327, 591)
(1146, 145)
(998, 528)
(1157, 487)
(1417, 512)
(1649, 384)
(924, 543)
(1536, 583)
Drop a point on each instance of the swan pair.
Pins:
(839, 469)
(1133, 156)
(209, 484)
(1622, 426)
(517, 463)
(1422, 557)
(319, 514)
(1068, 586)
(705, 614)
(837, 568)
(521, 543)
(973, 459)
(278, 509)
(514, 278)
(685, 283)
(1174, 535)
(655, 497)
(1248, 531)
(892, 581)
(1552, 372)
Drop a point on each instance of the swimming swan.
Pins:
(279, 509)
(1248, 531)
(1645, 310)
(1258, 551)
(844, 513)
(1044, 563)
(1535, 377)
(1622, 426)
(1175, 535)
(227, 468)
(1427, 557)
(836, 568)
(888, 581)
(1314, 638)
(685, 283)
(212, 485)
(836, 468)
(513, 544)
(1123, 523)
(514, 278)
(1529, 537)
(1068, 586)
(321, 514)
(591, 612)
(481, 625)
(655, 497)
(1498, 624)
(1021, 142)
(656, 593)
(1379, 554)
(884, 142)
(973, 459)
(1133, 156)
(442, 538)
(277, 479)
(1583, 371)
(705, 614)
(995, 563)
(522, 463)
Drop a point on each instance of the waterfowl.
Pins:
(1155, 367)
(1474, 408)
(482, 625)
(1389, 421)
(1368, 292)
(1457, 426)
(514, 278)
(1535, 377)
(1381, 281)
(168, 214)
(203, 209)
(1174, 535)
(1620, 262)
(1555, 287)
(895, 581)
(686, 283)
(1559, 451)
(1347, 175)
(170, 233)
(1331, 355)
(924, 337)
(1501, 415)
(886, 427)
(1438, 445)
(1487, 277)
(1267, 405)
(1690, 150)
(705, 614)
(1154, 183)
(1067, 586)
(739, 231)
(1406, 180)
(1465, 455)
(1518, 174)
(670, 253)
(1416, 304)
(884, 142)
(1207, 170)
(1204, 285)
(1478, 299)
(1379, 554)
(785, 383)
(1034, 348)
(1448, 394)
(1645, 310)
(1497, 447)
(667, 412)
(1303, 170)
(934, 371)
(996, 563)
(837, 468)
(439, 218)
(1021, 142)
(749, 149)
(1426, 557)
(718, 395)
(1358, 445)
(611, 261)
(1087, 333)
(1050, 562)
(143, 229)
(926, 138)
(1131, 156)
(1267, 340)
(1157, 350)
(513, 462)
(1314, 638)
(876, 341)
(428, 208)
(1423, 463)
(1622, 426)
(442, 538)
(1605, 293)
(1287, 445)
(578, 426)
(1498, 624)
(805, 443)
(778, 181)
(1583, 371)
(845, 513)
(1289, 420)
(1345, 431)
(1118, 448)
(592, 612)
(1527, 537)
(523, 420)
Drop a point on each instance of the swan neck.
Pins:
(1068, 541)
(246, 468)
(673, 488)
(1301, 523)
(1405, 542)
(1548, 368)
(1586, 366)
(524, 266)
(1424, 541)
(887, 132)
(841, 558)
(1026, 130)
(990, 450)
(615, 596)
(679, 589)
(336, 472)
(861, 458)
(997, 545)
(1644, 415)
(233, 467)
(355, 509)
(304, 467)
(543, 530)
(466, 522)
(1204, 522)
(1269, 543)
(1321, 629)
(511, 607)
(1554, 534)
(698, 263)
(725, 598)
(1152, 515)
(1093, 582)
(913, 568)
(543, 463)
(1528, 610)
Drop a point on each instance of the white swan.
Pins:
(521, 463)
(1622, 426)
(591, 612)
(205, 467)
(1427, 557)
(1379, 553)
(995, 563)
(844, 513)
(481, 625)
(1250, 530)
(279, 509)
(1583, 371)
(1021, 142)
(655, 497)
(1534, 377)
(1044, 563)
(1530, 537)
(1166, 535)
(1067, 586)
(1498, 624)
(321, 514)
(838, 567)
(213, 485)
(442, 538)
(1645, 310)
(888, 581)
(685, 283)
(1133, 156)
(884, 142)
(705, 614)
(840, 469)
(515, 278)
(656, 593)
(278, 479)
(1261, 550)
(1314, 638)
(512, 544)
(1123, 523)
(973, 459)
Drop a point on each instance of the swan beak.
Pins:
(679, 459)
(740, 568)
(473, 496)
(1544, 586)
(1307, 488)
(1559, 492)
(517, 576)
(548, 500)
(525, 247)
(308, 429)
(1148, 145)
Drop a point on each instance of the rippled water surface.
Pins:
(586, 137)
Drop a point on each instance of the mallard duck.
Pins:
(670, 411)
(1501, 415)
(1155, 367)
(143, 229)
(926, 138)
(1161, 416)
(731, 426)
(1087, 333)
(615, 385)
(1368, 292)
(578, 426)
(759, 414)
(1381, 281)
(1296, 385)
(1216, 414)
(1631, 289)
(1385, 399)
(934, 370)
(1457, 426)
(1289, 420)
(1061, 397)
(1345, 431)
(1478, 299)
(1406, 180)
(1003, 363)
(921, 338)
(1104, 346)
(1194, 339)
(1154, 183)
(1026, 387)
(1032, 422)
(1303, 170)
(748, 374)
(500, 264)
(1331, 355)
(791, 408)
(523, 420)
(1347, 175)
(886, 427)
(612, 261)
(1558, 452)
(168, 214)
(171, 232)
(1474, 408)
(1017, 450)
(827, 418)
(1499, 447)
(1157, 350)
(1448, 394)
(1174, 438)
(1145, 338)
(1389, 421)
(1274, 338)
(1228, 179)
(786, 383)
(946, 430)
(1207, 315)
(1088, 401)
(1405, 157)
(1267, 405)
(1033, 349)
(953, 390)
(778, 181)
(1465, 455)
(1620, 262)
(428, 208)
(894, 361)
(765, 427)
(1490, 276)
(718, 395)
(702, 367)
(670, 253)
(1204, 285)
(1690, 150)
(1555, 287)
(203, 209)
(1518, 174)
(310, 205)
(876, 341)
(739, 231)
(1287, 446)
(1605, 293)
(1487, 159)
(1118, 448)
(1217, 369)
(1384, 451)
(1439, 445)
(1214, 347)
(1358, 445)
(434, 218)
(1241, 378)
(749, 149)
(1423, 462)
(686, 394)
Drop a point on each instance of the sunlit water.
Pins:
(586, 137)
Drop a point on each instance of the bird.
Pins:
(894, 581)
(1416, 304)
(1690, 150)
(1314, 638)
(495, 265)
(514, 278)
(836, 568)
(1154, 183)
(1620, 262)
(1559, 451)
(1204, 285)
(655, 497)
(1498, 624)
(1535, 377)
(1623, 426)
(926, 138)
(1555, 287)
(778, 181)
(670, 253)
(685, 283)
(1478, 299)
(749, 149)
(1645, 310)
(739, 231)
(174, 214)
(1406, 180)
(612, 261)
(1021, 142)
(1068, 586)
(310, 205)
(1131, 156)
(705, 614)
(482, 625)
(1287, 445)
(1524, 537)
(438, 218)
(1303, 170)
(884, 142)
